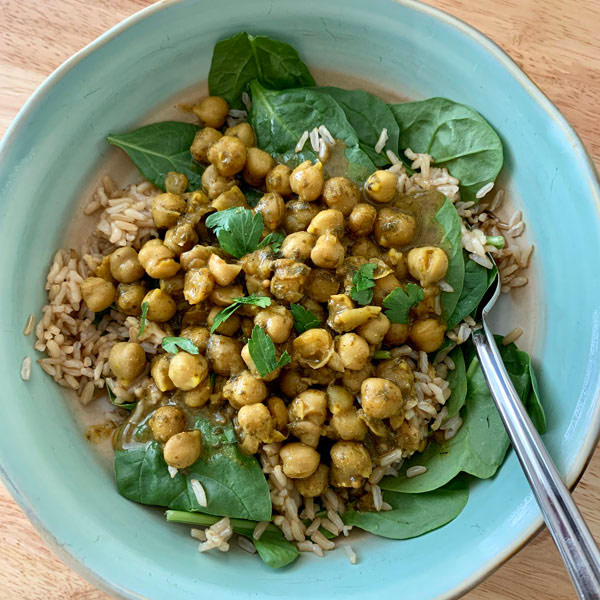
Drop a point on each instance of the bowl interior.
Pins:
(56, 149)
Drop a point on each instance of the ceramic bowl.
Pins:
(53, 151)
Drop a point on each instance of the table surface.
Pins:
(555, 42)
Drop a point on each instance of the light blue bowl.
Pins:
(52, 150)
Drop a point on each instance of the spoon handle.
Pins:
(571, 535)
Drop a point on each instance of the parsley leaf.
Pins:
(362, 282)
(400, 301)
(143, 318)
(274, 239)
(237, 229)
(382, 354)
(304, 319)
(262, 301)
(172, 345)
(262, 352)
(113, 399)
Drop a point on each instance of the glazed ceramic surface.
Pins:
(54, 150)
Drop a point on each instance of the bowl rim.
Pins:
(592, 437)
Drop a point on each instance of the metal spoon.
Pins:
(571, 535)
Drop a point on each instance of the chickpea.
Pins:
(397, 260)
(158, 260)
(365, 248)
(198, 285)
(224, 355)
(214, 184)
(127, 360)
(258, 263)
(224, 296)
(321, 284)
(288, 280)
(230, 199)
(314, 485)
(103, 270)
(313, 348)
(277, 321)
(353, 380)
(180, 238)
(381, 398)
(427, 334)
(427, 264)
(292, 383)
(130, 297)
(328, 252)
(428, 305)
(362, 218)
(306, 180)
(339, 399)
(315, 308)
(166, 422)
(299, 460)
(298, 215)
(212, 111)
(348, 426)
(194, 315)
(222, 272)
(176, 183)
(252, 367)
(161, 307)
(272, 209)
(198, 336)
(327, 221)
(159, 369)
(310, 405)
(196, 258)
(186, 371)
(381, 186)
(398, 371)
(183, 449)
(258, 165)
(125, 266)
(256, 420)
(341, 194)
(227, 327)
(244, 132)
(244, 389)
(397, 334)
(383, 287)
(374, 329)
(278, 180)
(203, 140)
(97, 293)
(228, 155)
(197, 397)
(278, 412)
(393, 228)
(350, 464)
(353, 351)
(298, 245)
(166, 209)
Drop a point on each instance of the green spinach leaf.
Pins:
(474, 287)
(457, 378)
(304, 319)
(399, 301)
(362, 284)
(174, 344)
(280, 118)
(238, 60)
(252, 195)
(272, 547)
(113, 399)
(369, 115)
(457, 137)
(451, 242)
(237, 229)
(263, 354)
(413, 514)
(162, 147)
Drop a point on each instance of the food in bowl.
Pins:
(281, 311)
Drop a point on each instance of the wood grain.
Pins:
(556, 42)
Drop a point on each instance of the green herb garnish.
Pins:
(382, 354)
(113, 399)
(262, 301)
(304, 319)
(362, 282)
(497, 241)
(274, 239)
(143, 318)
(262, 352)
(400, 301)
(173, 344)
(213, 379)
(237, 229)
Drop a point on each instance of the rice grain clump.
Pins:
(216, 536)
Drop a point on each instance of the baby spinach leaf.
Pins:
(474, 287)
(369, 115)
(173, 344)
(382, 355)
(238, 60)
(162, 147)
(113, 399)
(237, 229)
(534, 404)
(273, 239)
(479, 446)
(262, 352)
(362, 282)
(280, 118)
(145, 306)
(413, 514)
(457, 137)
(272, 547)
(304, 319)
(252, 195)
(262, 301)
(399, 301)
(457, 378)
(451, 242)
(234, 483)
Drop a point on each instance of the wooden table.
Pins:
(554, 41)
